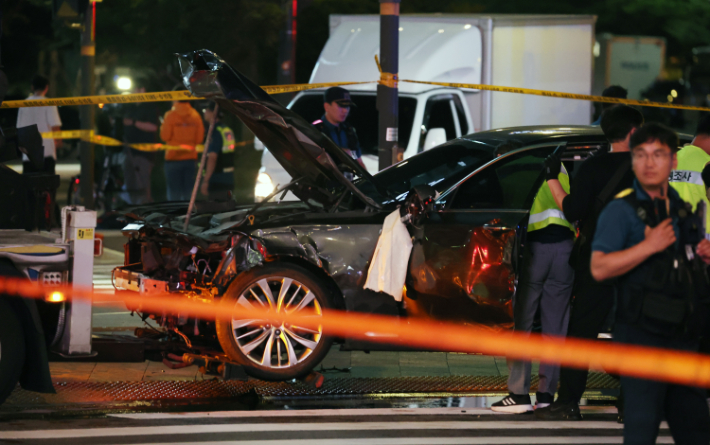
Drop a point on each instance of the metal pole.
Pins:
(196, 187)
(86, 149)
(387, 93)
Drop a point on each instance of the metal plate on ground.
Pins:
(71, 393)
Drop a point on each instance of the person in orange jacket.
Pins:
(183, 126)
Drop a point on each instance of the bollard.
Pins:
(79, 226)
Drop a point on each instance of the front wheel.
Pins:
(12, 349)
(275, 351)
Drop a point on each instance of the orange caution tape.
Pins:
(643, 362)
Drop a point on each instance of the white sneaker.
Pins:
(513, 404)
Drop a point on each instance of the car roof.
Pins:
(539, 134)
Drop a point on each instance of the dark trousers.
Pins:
(180, 177)
(648, 402)
(590, 309)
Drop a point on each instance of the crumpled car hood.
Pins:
(304, 152)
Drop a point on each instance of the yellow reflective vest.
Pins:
(687, 179)
(544, 210)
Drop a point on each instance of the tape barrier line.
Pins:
(106, 99)
(546, 93)
(158, 97)
(88, 135)
(678, 367)
(387, 79)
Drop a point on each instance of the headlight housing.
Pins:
(264, 186)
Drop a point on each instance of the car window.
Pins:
(437, 114)
(363, 117)
(441, 167)
(506, 184)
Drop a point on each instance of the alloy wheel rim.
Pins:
(282, 345)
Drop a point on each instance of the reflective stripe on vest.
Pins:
(544, 210)
(688, 182)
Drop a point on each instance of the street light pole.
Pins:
(387, 93)
(86, 149)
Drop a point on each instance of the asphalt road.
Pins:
(319, 427)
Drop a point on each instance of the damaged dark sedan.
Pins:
(465, 204)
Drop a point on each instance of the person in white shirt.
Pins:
(46, 119)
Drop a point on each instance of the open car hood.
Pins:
(305, 153)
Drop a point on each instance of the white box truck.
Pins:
(547, 52)
(634, 62)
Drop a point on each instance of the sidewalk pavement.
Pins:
(354, 364)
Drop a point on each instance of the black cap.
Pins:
(339, 95)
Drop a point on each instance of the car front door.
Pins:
(466, 254)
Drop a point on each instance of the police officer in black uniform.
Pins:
(337, 104)
(599, 178)
(648, 239)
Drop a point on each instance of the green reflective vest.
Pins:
(687, 179)
(227, 137)
(544, 210)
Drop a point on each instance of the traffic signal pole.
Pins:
(86, 149)
(387, 93)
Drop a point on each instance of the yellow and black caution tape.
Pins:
(156, 97)
(278, 89)
(89, 136)
(106, 99)
(545, 93)
(388, 79)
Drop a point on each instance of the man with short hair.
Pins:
(545, 286)
(337, 104)
(599, 178)
(615, 91)
(47, 120)
(687, 177)
(649, 241)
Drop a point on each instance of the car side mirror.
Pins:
(434, 137)
(419, 202)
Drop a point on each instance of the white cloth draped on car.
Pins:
(388, 268)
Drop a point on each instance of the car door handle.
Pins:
(494, 228)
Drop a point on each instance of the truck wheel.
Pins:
(275, 352)
(12, 349)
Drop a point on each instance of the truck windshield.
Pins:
(440, 167)
(363, 117)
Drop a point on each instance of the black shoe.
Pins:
(513, 404)
(543, 400)
(559, 411)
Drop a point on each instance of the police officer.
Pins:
(599, 178)
(218, 180)
(546, 284)
(687, 178)
(337, 104)
(649, 240)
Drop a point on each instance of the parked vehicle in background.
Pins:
(549, 52)
(634, 62)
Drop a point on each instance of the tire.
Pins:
(294, 351)
(12, 349)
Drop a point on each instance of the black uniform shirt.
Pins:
(593, 175)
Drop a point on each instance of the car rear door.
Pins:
(466, 256)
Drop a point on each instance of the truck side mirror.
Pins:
(434, 137)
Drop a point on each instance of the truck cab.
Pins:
(547, 52)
